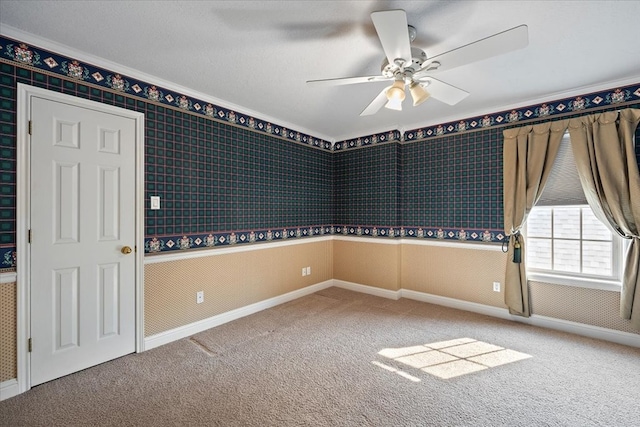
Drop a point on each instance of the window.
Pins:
(566, 243)
(569, 241)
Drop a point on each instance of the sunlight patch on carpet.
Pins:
(450, 359)
(397, 371)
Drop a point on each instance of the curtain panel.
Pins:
(528, 155)
(604, 151)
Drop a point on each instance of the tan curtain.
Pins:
(528, 154)
(603, 147)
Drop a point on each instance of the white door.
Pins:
(82, 216)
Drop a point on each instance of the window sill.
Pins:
(580, 282)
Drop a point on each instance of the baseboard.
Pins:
(9, 389)
(590, 331)
(474, 307)
(202, 325)
(365, 289)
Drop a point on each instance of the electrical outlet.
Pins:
(496, 286)
(308, 271)
(304, 271)
(199, 297)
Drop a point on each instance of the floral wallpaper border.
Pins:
(164, 244)
(74, 69)
(71, 68)
(378, 138)
(8, 256)
(611, 97)
(182, 242)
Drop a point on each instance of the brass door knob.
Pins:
(126, 250)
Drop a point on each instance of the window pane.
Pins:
(592, 228)
(566, 223)
(597, 258)
(539, 222)
(539, 253)
(571, 241)
(566, 255)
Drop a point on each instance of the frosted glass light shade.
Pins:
(396, 91)
(395, 96)
(418, 93)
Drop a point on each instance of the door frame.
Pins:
(23, 193)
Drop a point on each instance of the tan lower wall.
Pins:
(8, 368)
(232, 281)
(461, 273)
(229, 281)
(367, 263)
(468, 274)
(595, 307)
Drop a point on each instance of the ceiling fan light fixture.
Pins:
(396, 91)
(418, 93)
(395, 96)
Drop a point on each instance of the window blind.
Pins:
(563, 185)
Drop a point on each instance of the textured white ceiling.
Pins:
(255, 56)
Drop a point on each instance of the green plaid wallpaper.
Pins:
(219, 183)
(453, 182)
(213, 177)
(366, 186)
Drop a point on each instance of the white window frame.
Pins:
(609, 283)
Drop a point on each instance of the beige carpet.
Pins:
(339, 358)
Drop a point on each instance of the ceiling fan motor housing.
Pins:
(404, 70)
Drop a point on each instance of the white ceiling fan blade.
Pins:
(444, 91)
(346, 80)
(497, 44)
(393, 32)
(376, 104)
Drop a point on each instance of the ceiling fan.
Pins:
(410, 67)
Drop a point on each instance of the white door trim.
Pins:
(23, 173)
